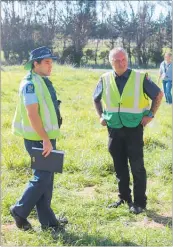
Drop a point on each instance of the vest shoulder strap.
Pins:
(106, 74)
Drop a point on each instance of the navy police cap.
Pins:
(39, 53)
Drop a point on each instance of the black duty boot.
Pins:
(116, 204)
(61, 222)
(136, 209)
(20, 222)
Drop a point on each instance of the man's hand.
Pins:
(103, 122)
(47, 147)
(146, 120)
(99, 109)
(159, 80)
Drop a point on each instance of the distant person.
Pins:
(121, 100)
(166, 75)
(37, 120)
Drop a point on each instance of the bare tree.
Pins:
(78, 26)
(29, 27)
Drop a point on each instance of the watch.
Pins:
(150, 114)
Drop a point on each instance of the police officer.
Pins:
(36, 121)
(121, 100)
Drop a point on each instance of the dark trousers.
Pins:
(127, 144)
(38, 192)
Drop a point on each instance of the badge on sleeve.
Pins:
(30, 88)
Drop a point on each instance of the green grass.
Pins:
(88, 183)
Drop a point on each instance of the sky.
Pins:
(113, 5)
(157, 11)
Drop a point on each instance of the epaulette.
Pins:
(28, 77)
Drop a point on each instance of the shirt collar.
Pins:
(167, 64)
(125, 74)
(46, 79)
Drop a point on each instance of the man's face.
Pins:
(44, 68)
(168, 58)
(120, 62)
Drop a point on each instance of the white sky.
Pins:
(113, 5)
(157, 11)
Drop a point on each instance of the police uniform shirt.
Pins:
(28, 93)
(149, 87)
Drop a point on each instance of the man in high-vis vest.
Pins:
(36, 120)
(121, 100)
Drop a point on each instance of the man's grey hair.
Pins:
(168, 54)
(114, 51)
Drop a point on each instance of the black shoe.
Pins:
(50, 228)
(120, 202)
(136, 209)
(55, 231)
(20, 222)
(61, 222)
(130, 204)
(116, 204)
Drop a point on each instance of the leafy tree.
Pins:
(89, 55)
(68, 26)
(77, 23)
(105, 56)
(27, 28)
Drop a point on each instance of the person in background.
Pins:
(166, 75)
(121, 99)
(36, 121)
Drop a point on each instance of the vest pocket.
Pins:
(131, 119)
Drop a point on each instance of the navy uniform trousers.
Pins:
(38, 192)
(126, 144)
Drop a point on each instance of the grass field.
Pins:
(88, 183)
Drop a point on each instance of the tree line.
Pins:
(82, 32)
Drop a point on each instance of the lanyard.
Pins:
(166, 67)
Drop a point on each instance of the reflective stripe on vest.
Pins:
(30, 129)
(46, 109)
(135, 108)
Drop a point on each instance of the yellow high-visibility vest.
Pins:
(127, 109)
(21, 125)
